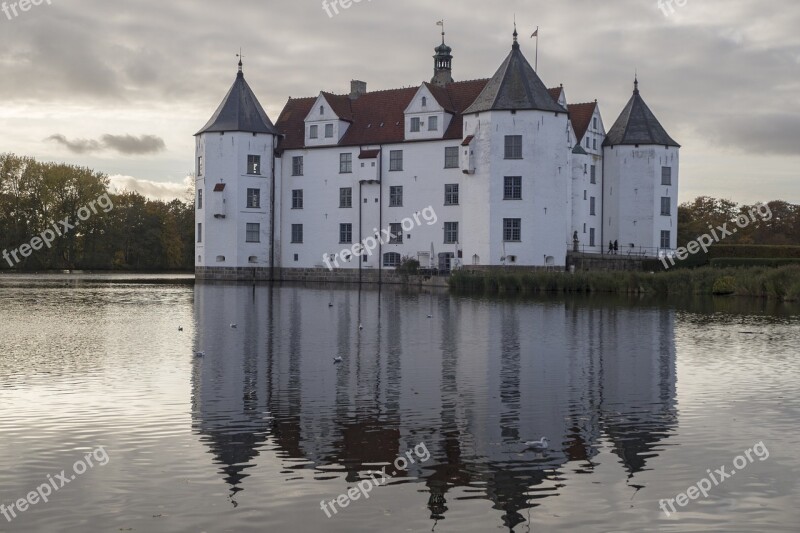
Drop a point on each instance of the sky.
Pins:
(122, 87)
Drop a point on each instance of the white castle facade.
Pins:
(491, 172)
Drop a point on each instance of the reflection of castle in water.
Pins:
(473, 383)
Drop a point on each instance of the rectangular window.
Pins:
(390, 259)
(199, 232)
(253, 233)
(594, 144)
(513, 147)
(346, 197)
(666, 206)
(666, 176)
(451, 194)
(396, 196)
(450, 232)
(345, 163)
(592, 206)
(396, 160)
(254, 165)
(512, 189)
(297, 233)
(397, 233)
(199, 198)
(200, 166)
(594, 122)
(584, 196)
(297, 199)
(666, 239)
(313, 132)
(328, 131)
(415, 124)
(433, 123)
(512, 229)
(593, 178)
(297, 165)
(254, 198)
(591, 237)
(451, 157)
(587, 142)
(345, 233)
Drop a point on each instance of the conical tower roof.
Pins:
(638, 125)
(515, 86)
(240, 111)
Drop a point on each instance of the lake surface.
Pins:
(640, 400)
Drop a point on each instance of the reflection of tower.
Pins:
(229, 403)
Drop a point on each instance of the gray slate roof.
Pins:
(638, 125)
(515, 86)
(240, 111)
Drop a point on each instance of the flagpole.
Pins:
(537, 50)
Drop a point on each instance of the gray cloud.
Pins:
(77, 146)
(123, 144)
(130, 145)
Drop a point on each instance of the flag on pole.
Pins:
(535, 34)
(440, 23)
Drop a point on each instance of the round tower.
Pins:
(234, 188)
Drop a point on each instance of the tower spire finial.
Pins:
(441, 23)
(516, 44)
(636, 82)
(240, 56)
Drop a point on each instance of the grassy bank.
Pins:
(776, 283)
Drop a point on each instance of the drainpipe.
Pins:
(380, 214)
(272, 216)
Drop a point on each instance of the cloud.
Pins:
(154, 190)
(128, 144)
(768, 134)
(77, 146)
(123, 144)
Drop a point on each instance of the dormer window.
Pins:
(328, 131)
(314, 132)
(415, 124)
(433, 123)
(424, 101)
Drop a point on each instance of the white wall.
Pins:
(225, 161)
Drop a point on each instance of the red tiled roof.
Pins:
(341, 105)
(219, 187)
(556, 92)
(581, 116)
(368, 154)
(468, 140)
(377, 117)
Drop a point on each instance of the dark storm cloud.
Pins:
(123, 144)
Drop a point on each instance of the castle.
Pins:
(516, 176)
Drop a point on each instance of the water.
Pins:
(639, 400)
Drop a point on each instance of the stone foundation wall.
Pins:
(606, 263)
(315, 275)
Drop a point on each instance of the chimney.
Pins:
(357, 88)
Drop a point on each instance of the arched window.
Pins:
(322, 110)
(476, 259)
(391, 259)
(424, 101)
(220, 259)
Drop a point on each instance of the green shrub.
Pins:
(724, 286)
